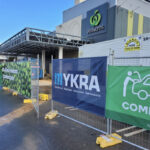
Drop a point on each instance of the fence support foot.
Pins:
(108, 140)
(43, 97)
(51, 115)
(6, 88)
(28, 101)
(15, 93)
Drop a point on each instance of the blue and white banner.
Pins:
(81, 83)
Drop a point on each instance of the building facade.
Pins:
(104, 20)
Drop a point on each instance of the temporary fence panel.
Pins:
(17, 76)
(128, 124)
(128, 95)
(127, 51)
(130, 133)
(35, 83)
(71, 99)
(81, 83)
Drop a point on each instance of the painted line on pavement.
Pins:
(124, 129)
(134, 132)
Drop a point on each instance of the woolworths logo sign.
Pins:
(96, 23)
(129, 92)
(95, 19)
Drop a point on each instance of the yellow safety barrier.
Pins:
(15, 93)
(43, 97)
(51, 115)
(108, 140)
(27, 101)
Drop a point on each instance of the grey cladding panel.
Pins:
(135, 24)
(146, 25)
(121, 22)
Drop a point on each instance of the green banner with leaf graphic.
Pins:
(17, 76)
(128, 95)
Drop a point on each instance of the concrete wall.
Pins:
(118, 46)
(82, 8)
(71, 27)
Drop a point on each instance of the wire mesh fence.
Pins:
(35, 84)
(133, 135)
(82, 116)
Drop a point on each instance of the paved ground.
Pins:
(45, 82)
(21, 130)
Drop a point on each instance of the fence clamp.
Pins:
(108, 140)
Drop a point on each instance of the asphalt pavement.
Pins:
(21, 130)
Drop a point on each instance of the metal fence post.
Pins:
(52, 103)
(38, 67)
(111, 62)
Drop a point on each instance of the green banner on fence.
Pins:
(17, 76)
(128, 95)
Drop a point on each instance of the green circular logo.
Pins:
(95, 19)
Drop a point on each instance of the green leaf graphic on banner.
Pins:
(19, 80)
(128, 95)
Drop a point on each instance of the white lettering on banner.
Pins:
(8, 77)
(74, 80)
(143, 109)
(136, 108)
(10, 70)
(66, 78)
(125, 105)
(94, 84)
(133, 107)
(83, 81)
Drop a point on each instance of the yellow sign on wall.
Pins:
(132, 44)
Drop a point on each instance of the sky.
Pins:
(15, 15)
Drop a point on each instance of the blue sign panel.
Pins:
(81, 83)
(96, 21)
